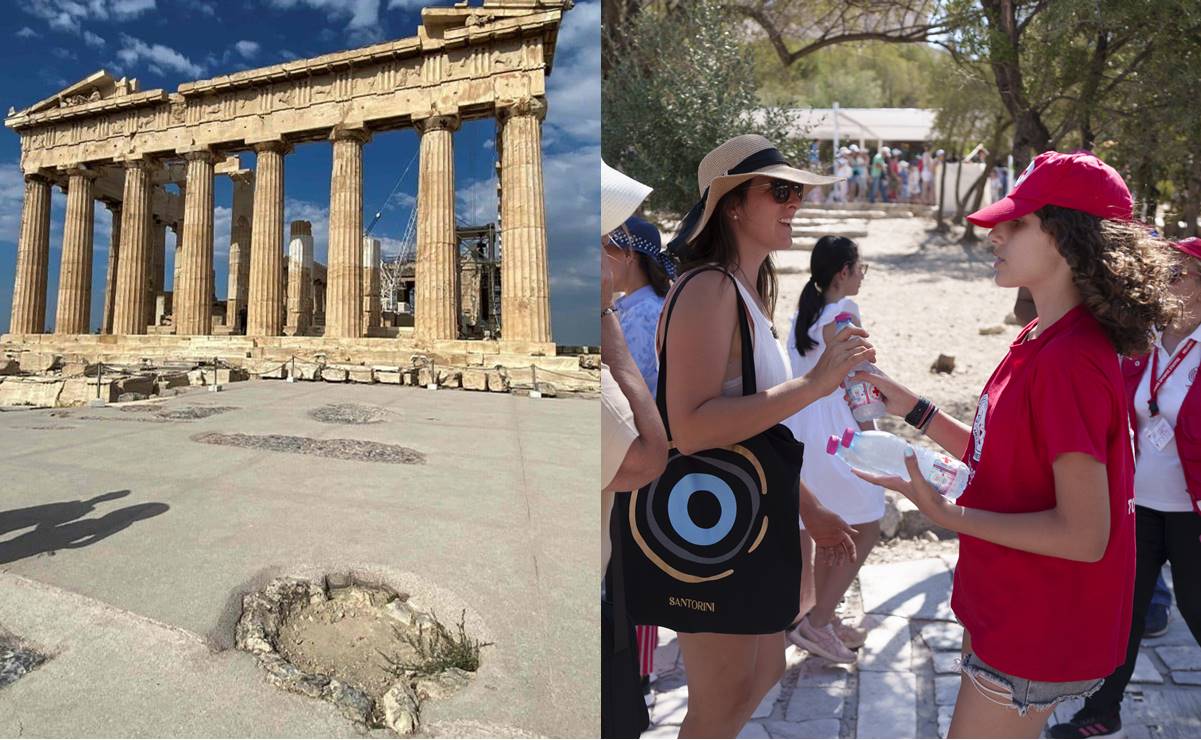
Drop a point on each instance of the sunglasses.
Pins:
(782, 190)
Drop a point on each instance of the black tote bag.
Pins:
(713, 544)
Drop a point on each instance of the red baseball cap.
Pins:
(1190, 246)
(1078, 180)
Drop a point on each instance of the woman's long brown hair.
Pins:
(716, 245)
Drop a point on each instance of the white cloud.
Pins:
(288, 54)
(12, 195)
(92, 39)
(476, 202)
(413, 4)
(156, 56)
(62, 53)
(248, 49)
(126, 9)
(69, 16)
(27, 33)
(204, 8)
(361, 16)
(573, 88)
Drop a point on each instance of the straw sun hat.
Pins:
(731, 164)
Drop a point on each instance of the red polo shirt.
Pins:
(1033, 616)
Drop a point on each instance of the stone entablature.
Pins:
(471, 71)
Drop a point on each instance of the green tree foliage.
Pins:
(863, 75)
(681, 84)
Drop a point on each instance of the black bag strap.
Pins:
(748, 350)
(618, 576)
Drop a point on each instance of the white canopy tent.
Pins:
(865, 125)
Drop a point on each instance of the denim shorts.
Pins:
(1020, 693)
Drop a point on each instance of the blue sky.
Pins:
(164, 43)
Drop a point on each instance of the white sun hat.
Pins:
(620, 197)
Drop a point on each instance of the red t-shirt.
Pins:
(1038, 617)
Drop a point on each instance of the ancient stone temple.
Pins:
(151, 157)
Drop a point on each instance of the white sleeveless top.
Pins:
(771, 359)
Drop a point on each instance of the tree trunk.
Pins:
(957, 219)
(1030, 134)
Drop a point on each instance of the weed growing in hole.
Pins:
(438, 650)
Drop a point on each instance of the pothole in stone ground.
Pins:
(342, 449)
(361, 646)
(16, 661)
(349, 413)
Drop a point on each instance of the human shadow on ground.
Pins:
(59, 526)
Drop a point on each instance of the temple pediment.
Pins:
(99, 85)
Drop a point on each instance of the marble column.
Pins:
(193, 296)
(371, 301)
(133, 264)
(158, 259)
(436, 309)
(110, 275)
(344, 279)
(265, 299)
(75, 273)
(300, 278)
(238, 284)
(525, 281)
(33, 259)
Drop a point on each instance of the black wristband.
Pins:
(914, 417)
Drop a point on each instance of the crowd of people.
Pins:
(890, 175)
(732, 526)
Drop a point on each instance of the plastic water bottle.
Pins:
(863, 397)
(884, 453)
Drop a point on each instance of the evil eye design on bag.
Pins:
(701, 514)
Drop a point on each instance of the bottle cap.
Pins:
(844, 316)
(832, 444)
(848, 436)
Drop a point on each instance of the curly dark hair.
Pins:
(1121, 271)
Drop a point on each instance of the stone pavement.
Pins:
(126, 546)
(905, 683)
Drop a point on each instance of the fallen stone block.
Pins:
(474, 379)
(40, 362)
(18, 391)
(389, 375)
(362, 375)
(305, 370)
(497, 383)
(334, 374)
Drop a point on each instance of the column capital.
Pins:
(199, 154)
(351, 133)
(111, 204)
(434, 121)
(80, 170)
(38, 177)
(532, 106)
(243, 177)
(278, 146)
(139, 163)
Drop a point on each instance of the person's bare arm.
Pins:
(647, 454)
(1076, 528)
(949, 433)
(698, 347)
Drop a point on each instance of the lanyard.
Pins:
(1156, 384)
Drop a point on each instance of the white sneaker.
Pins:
(821, 641)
